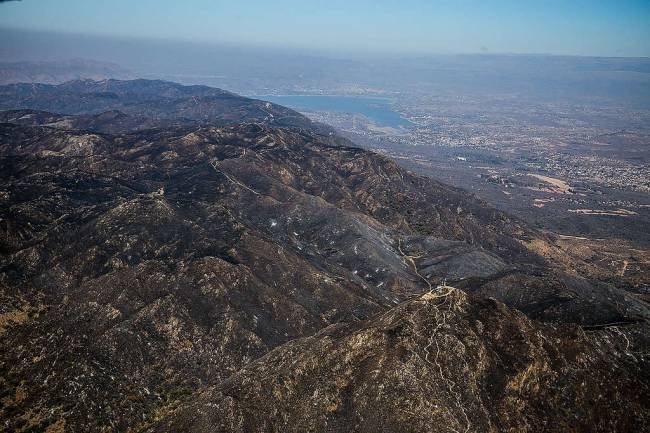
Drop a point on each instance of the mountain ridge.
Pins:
(159, 101)
(146, 261)
(427, 342)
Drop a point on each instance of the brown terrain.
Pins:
(184, 259)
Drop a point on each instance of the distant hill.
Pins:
(161, 102)
(55, 72)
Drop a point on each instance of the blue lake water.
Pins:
(379, 110)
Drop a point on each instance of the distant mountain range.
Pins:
(149, 103)
(56, 72)
(180, 258)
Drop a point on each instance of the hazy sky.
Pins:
(583, 27)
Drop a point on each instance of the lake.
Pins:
(379, 110)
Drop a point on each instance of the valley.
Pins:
(573, 179)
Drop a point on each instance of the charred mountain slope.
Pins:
(442, 362)
(154, 102)
(142, 265)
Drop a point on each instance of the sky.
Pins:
(572, 27)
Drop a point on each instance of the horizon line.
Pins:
(322, 52)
